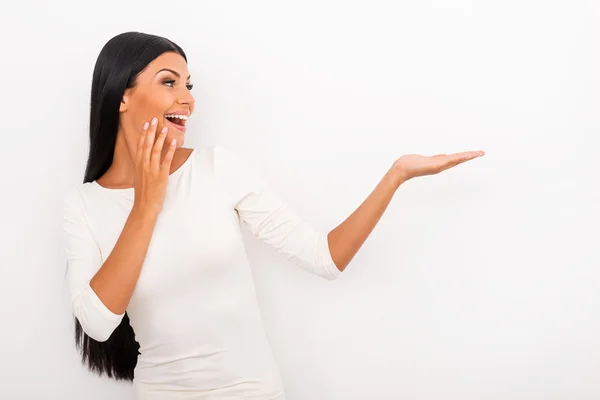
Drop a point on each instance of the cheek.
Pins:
(154, 103)
(150, 105)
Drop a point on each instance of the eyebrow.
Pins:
(173, 72)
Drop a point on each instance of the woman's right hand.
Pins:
(152, 173)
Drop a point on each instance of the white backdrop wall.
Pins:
(479, 283)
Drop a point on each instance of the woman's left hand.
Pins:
(413, 165)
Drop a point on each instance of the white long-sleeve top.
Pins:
(194, 309)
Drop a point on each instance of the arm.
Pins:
(116, 279)
(346, 239)
(268, 218)
(274, 223)
(100, 291)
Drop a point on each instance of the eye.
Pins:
(171, 83)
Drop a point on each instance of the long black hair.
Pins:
(119, 63)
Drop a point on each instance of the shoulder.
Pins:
(231, 169)
(72, 211)
(215, 150)
(75, 198)
(219, 158)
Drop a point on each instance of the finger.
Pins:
(459, 158)
(140, 146)
(157, 150)
(475, 154)
(166, 163)
(464, 156)
(149, 142)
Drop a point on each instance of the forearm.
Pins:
(116, 279)
(347, 238)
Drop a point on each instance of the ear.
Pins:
(124, 101)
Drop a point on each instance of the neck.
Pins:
(122, 170)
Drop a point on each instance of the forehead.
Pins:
(170, 60)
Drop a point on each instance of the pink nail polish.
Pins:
(154, 121)
(146, 124)
(164, 130)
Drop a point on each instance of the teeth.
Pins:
(184, 117)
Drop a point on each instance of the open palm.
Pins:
(414, 165)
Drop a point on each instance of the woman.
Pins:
(160, 284)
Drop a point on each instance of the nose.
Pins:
(185, 97)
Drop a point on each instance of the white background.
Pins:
(479, 283)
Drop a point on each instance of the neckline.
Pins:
(177, 171)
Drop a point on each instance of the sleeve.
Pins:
(270, 219)
(83, 261)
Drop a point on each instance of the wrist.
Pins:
(143, 213)
(396, 176)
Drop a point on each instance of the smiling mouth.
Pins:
(176, 119)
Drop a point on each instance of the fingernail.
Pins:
(173, 142)
(164, 130)
(154, 121)
(146, 125)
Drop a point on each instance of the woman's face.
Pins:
(161, 90)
